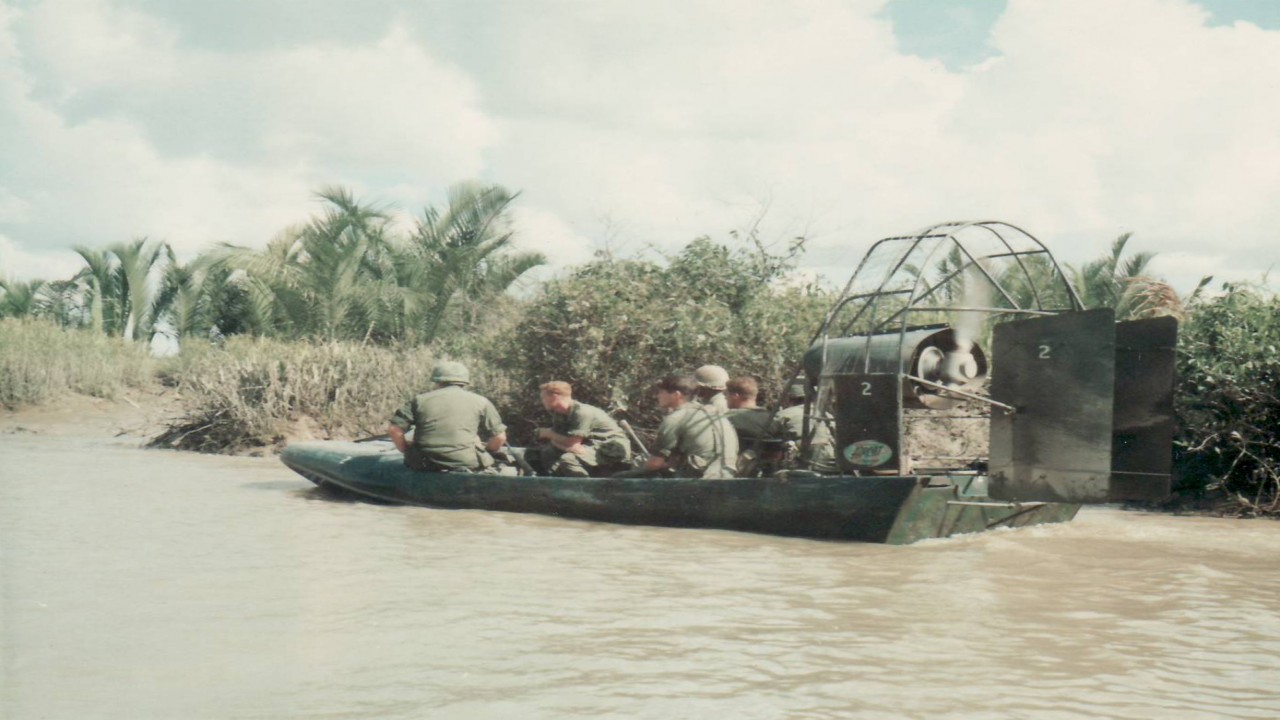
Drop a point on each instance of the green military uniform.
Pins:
(789, 425)
(449, 425)
(604, 446)
(751, 423)
(704, 441)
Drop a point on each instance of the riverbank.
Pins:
(139, 416)
(134, 416)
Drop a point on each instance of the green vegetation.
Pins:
(256, 391)
(613, 326)
(39, 361)
(335, 322)
(343, 275)
(1228, 399)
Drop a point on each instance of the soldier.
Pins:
(454, 430)
(582, 440)
(693, 440)
(750, 421)
(711, 381)
(789, 424)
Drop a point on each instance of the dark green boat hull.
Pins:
(896, 510)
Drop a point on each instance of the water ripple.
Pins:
(173, 585)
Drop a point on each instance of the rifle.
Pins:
(626, 427)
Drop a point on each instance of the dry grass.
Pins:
(39, 361)
(252, 393)
(1150, 297)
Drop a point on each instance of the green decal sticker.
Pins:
(868, 453)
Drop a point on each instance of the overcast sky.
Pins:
(645, 124)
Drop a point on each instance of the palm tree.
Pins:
(121, 286)
(22, 298)
(1113, 280)
(342, 275)
(338, 248)
(461, 253)
(312, 280)
(189, 296)
(64, 303)
(99, 281)
(137, 261)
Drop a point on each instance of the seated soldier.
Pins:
(789, 424)
(582, 440)
(453, 429)
(693, 439)
(712, 380)
(750, 420)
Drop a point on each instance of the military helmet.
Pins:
(451, 371)
(711, 376)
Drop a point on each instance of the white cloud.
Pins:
(541, 231)
(1131, 113)
(653, 125)
(126, 133)
(19, 264)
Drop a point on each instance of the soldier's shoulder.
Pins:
(680, 412)
(474, 397)
(589, 410)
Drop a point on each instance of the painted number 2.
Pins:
(866, 388)
(1045, 352)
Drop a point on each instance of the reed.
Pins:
(260, 392)
(39, 361)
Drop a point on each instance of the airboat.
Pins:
(966, 387)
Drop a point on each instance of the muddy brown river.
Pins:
(149, 584)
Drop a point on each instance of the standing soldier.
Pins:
(454, 430)
(693, 440)
(582, 440)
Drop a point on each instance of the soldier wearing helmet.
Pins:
(454, 430)
(693, 440)
(712, 380)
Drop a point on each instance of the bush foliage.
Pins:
(1228, 398)
(252, 392)
(610, 327)
(614, 326)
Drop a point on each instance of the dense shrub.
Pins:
(39, 360)
(251, 392)
(613, 326)
(1228, 399)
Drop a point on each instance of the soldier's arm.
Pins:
(569, 443)
(400, 424)
(492, 423)
(397, 437)
(495, 443)
(665, 444)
